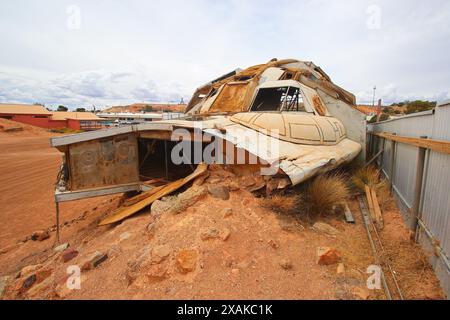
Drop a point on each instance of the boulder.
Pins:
(218, 191)
(325, 228)
(186, 260)
(327, 256)
(94, 260)
(40, 235)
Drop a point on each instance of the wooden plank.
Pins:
(125, 212)
(440, 146)
(370, 202)
(377, 210)
(348, 214)
(141, 196)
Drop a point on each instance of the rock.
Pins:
(186, 260)
(40, 235)
(226, 212)
(220, 192)
(68, 254)
(157, 272)
(235, 272)
(160, 253)
(340, 268)
(233, 186)
(273, 244)
(124, 236)
(29, 270)
(61, 247)
(361, 293)
(41, 290)
(225, 234)
(94, 260)
(178, 204)
(211, 233)
(3, 283)
(286, 264)
(327, 256)
(28, 282)
(325, 228)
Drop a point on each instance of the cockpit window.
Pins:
(278, 99)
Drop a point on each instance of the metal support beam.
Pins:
(392, 164)
(57, 223)
(417, 189)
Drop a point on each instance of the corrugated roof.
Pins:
(12, 108)
(61, 115)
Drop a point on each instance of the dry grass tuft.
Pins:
(282, 203)
(369, 175)
(324, 194)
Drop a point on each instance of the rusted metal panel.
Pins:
(104, 162)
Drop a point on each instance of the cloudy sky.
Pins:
(85, 53)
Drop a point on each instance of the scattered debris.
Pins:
(3, 283)
(361, 293)
(348, 214)
(94, 260)
(123, 213)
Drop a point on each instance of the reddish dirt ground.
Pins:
(247, 265)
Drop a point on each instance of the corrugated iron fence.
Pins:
(431, 199)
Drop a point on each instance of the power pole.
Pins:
(373, 100)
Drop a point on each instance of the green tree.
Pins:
(148, 108)
(80, 110)
(62, 108)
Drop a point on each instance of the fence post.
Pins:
(392, 165)
(417, 189)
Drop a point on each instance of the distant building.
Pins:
(38, 116)
(124, 118)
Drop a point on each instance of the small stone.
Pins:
(160, 253)
(340, 268)
(186, 260)
(235, 272)
(327, 256)
(226, 212)
(286, 264)
(157, 272)
(61, 247)
(124, 236)
(225, 234)
(41, 290)
(3, 283)
(68, 254)
(210, 233)
(29, 270)
(273, 244)
(361, 293)
(325, 228)
(94, 260)
(40, 235)
(220, 192)
(28, 282)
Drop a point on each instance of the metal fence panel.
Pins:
(435, 205)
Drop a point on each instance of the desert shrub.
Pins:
(369, 175)
(286, 204)
(324, 193)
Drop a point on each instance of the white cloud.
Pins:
(127, 51)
